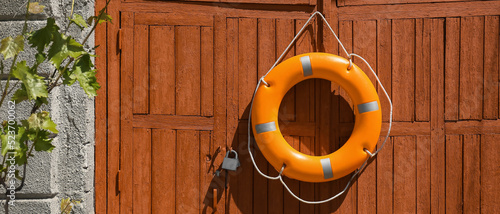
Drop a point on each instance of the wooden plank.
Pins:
(141, 69)
(490, 174)
(452, 68)
(173, 19)
(454, 160)
(232, 102)
(349, 202)
(474, 127)
(345, 35)
(187, 64)
(384, 64)
(206, 173)
(404, 174)
(219, 132)
(187, 189)
(268, 1)
(142, 170)
(173, 122)
(162, 166)
(100, 122)
(247, 61)
(162, 70)
(423, 188)
(120, 132)
(284, 34)
(429, 10)
(291, 205)
(437, 118)
(306, 189)
(491, 69)
(422, 69)
(244, 189)
(207, 71)
(372, 2)
(403, 61)
(365, 44)
(385, 177)
(472, 173)
(471, 68)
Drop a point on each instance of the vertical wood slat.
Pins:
(422, 69)
(403, 38)
(162, 70)
(491, 68)
(206, 173)
(452, 68)
(385, 177)
(187, 66)
(162, 167)
(404, 174)
(454, 160)
(365, 44)
(266, 56)
(345, 35)
(247, 61)
(291, 205)
(141, 69)
(384, 64)
(142, 170)
(471, 173)
(285, 31)
(207, 72)
(187, 189)
(123, 135)
(471, 68)
(437, 118)
(423, 164)
(490, 173)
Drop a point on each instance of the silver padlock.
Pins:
(231, 163)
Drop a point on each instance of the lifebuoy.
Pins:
(366, 110)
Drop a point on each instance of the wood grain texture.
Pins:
(163, 163)
(345, 35)
(491, 68)
(472, 173)
(187, 183)
(405, 174)
(454, 170)
(285, 31)
(207, 72)
(385, 177)
(422, 69)
(423, 164)
(187, 66)
(490, 173)
(403, 61)
(142, 170)
(247, 64)
(141, 69)
(471, 68)
(452, 68)
(384, 64)
(162, 70)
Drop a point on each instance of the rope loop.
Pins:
(370, 154)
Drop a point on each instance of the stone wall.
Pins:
(68, 171)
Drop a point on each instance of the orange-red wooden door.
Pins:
(180, 76)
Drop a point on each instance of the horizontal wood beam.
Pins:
(428, 10)
(173, 122)
(473, 127)
(173, 19)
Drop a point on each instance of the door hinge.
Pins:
(120, 35)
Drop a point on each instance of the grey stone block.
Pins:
(32, 206)
(16, 10)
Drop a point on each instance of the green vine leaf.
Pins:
(34, 84)
(10, 47)
(83, 73)
(20, 95)
(42, 141)
(35, 8)
(17, 145)
(78, 20)
(43, 37)
(40, 121)
(62, 47)
(104, 18)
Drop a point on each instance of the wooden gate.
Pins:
(177, 80)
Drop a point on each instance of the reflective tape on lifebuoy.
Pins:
(316, 168)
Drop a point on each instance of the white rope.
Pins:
(370, 154)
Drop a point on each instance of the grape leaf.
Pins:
(17, 145)
(62, 47)
(78, 20)
(104, 18)
(10, 47)
(35, 8)
(20, 95)
(42, 141)
(42, 38)
(40, 121)
(34, 84)
(83, 73)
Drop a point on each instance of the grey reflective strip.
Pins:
(327, 168)
(367, 107)
(265, 127)
(306, 66)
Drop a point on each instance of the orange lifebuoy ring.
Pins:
(366, 109)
